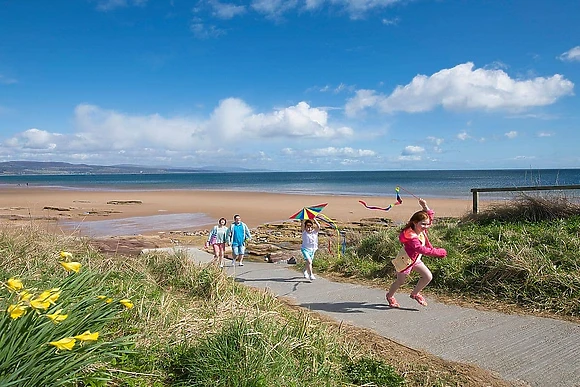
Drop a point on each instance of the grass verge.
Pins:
(193, 326)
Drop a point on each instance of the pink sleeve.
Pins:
(416, 247)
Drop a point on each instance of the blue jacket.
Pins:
(238, 238)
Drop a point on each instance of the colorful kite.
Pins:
(309, 212)
(387, 208)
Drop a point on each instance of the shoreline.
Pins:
(255, 208)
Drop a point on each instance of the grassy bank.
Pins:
(192, 326)
(523, 253)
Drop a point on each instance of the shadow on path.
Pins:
(350, 307)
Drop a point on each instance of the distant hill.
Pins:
(58, 168)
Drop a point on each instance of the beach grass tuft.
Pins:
(527, 208)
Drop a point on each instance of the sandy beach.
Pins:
(69, 207)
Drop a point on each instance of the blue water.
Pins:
(448, 183)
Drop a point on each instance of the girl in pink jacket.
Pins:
(415, 244)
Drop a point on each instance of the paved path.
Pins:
(538, 351)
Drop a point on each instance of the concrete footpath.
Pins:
(538, 351)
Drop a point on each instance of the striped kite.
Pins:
(387, 208)
(309, 212)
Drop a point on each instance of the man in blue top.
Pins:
(238, 234)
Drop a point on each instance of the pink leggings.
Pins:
(420, 268)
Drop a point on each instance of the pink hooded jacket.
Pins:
(413, 245)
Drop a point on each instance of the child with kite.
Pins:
(415, 244)
(309, 244)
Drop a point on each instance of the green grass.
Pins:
(190, 325)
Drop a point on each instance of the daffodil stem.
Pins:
(131, 373)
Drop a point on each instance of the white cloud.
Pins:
(363, 99)
(109, 5)
(336, 90)
(411, 150)
(539, 116)
(155, 138)
(409, 158)
(545, 134)
(34, 139)
(226, 11)
(390, 22)
(463, 136)
(300, 120)
(463, 87)
(511, 134)
(345, 152)
(572, 54)
(273, 9)
(355, 8)
(435, 140)
(203, 31)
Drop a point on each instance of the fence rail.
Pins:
(476, 191)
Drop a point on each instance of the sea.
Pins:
(455, 184)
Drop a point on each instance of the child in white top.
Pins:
(309, 245)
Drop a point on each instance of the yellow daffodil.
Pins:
(105, 298)
(88, 336)
(66, 255)
(126, 303)
(39, 304)
(49, 296)
(14, 284)
(101, 297)
(53, 297)
(71, 266)
(64, 344)
(109, 300)
(57, 317)
(16, 311)
(24, 295)
(43, 296)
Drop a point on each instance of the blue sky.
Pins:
(292, 85)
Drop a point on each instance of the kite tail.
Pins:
(375, 207)
(331, 223)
